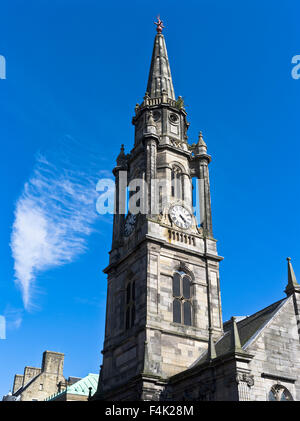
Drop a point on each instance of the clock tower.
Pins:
(163, 291)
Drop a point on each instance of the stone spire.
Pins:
(235, 337)
(160, 74)
(292, 284)
(201, 147)
(121, 158)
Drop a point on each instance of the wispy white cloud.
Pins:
(54, 214)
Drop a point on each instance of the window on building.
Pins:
(41, 387)
(177, 183)
(182, 305)
(130, 305)
(279, 393)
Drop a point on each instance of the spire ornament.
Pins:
(201, 140)
(292, 284)
(159, 25)
(160, 74)
(201, 148)
(151, 127)
(121, 159)
(235, 337)
(179, 103)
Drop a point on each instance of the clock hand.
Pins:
(184, 220)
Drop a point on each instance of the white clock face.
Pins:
(129, 224)
(181, 217)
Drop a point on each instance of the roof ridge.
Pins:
(258, 313)
(265, 324)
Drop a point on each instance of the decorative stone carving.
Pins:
(176, 143)
(174, 119)
(244, 377)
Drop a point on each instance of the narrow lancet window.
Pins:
(182, 305)
(177, 183)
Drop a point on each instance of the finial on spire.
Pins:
(121, 157)
(292, 285)
(235, 337)
(159, 25)
(201, 140)
(200, 148)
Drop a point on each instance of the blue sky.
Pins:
(75, 70)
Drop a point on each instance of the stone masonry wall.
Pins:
(277, 355)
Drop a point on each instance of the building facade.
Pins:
(37, 383)
(164, 334)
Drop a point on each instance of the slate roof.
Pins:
(248, 327)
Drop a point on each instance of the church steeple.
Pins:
(160, 78)
(163, 290)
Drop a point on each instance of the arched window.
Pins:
(279, 393)
(130, 305)
(177, 183)
(182, 305)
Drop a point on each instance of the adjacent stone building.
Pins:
(164, 334)
(48, 383)
(36, 384)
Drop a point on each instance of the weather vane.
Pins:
(159, 25)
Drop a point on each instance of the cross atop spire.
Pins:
(160, 78)
(159, 25)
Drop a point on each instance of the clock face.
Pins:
(181, 216)
(129, 224)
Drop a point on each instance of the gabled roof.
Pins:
(82, 386)
(248, 329)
